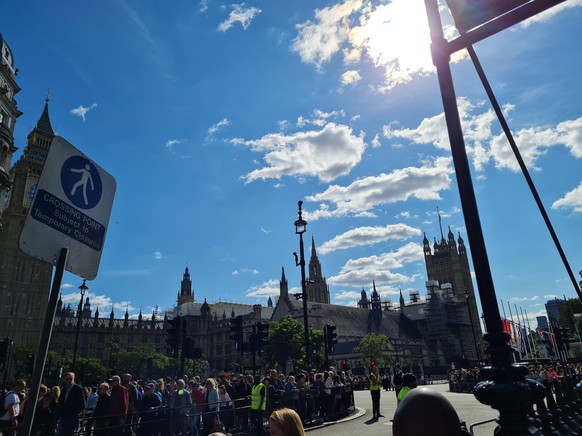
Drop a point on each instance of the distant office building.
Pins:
(553, 308)
(542, 323)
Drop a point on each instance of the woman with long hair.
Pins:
(285, 422)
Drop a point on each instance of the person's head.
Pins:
(439, 417)
(285, 422)
(115, 381)
(19, 386)
(69, 378)
(409, 380)
(210, 384)
(256, 379)
(56, 392)
(103, 388)
(397, 367)
(267, 381)
(150, 389)
(375, 370)
(291, 379)
(42, 390)
(126, 378)
(221, 389)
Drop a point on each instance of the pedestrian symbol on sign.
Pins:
(81, 182)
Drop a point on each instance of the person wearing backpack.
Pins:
(11, 409)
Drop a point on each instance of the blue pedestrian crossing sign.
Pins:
(70, 208)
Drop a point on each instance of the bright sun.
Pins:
(396, 36)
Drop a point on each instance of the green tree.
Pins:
(571, 307)
(286, 340)
(371, 347)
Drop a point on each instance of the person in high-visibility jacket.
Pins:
(258, 403)
(375, 387)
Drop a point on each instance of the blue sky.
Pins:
(215, 118)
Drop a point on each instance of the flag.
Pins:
(469, 14)
(507, 328)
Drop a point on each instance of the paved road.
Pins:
(468, 408)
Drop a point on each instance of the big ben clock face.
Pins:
(30, 191)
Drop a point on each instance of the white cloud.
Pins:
(367, 236)
(363, 195)
(96, 301)
(245, 271)
(66, 285)
(347, 295)
(318, 41)
(170, 144)
(81, 111)
(351, 77)
(361, 272)
(572, 200)
(319, 118)
(266, 231)
(549, 13)
(405, 214)
(158, 255)
(376, 141)
(216, 127)
(265, 289)
(239, 14)
(483, 145)
(326, 154)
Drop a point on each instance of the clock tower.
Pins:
(24, 281)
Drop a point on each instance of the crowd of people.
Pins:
(180, 406)
(464, 379)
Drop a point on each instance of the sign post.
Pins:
(65, 226)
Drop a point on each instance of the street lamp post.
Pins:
(82, 288)
(467, 296)
(300, 227)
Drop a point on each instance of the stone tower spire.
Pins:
(186, 295)
(317, 289)
(283, 285)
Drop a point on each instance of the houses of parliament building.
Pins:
(429, 332)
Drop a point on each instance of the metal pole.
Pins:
(507, 389)
(467, 295)
(83, 288)
(304, 297)
(44, 343)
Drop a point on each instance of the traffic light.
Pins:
(187, 347)
(331, 337)
(262, 337)
(174, 330)
(29, 365)
(345, 365)
(5, 346)
(236, 331)
(372, 362)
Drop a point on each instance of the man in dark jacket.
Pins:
(71, 404)
(148, 407)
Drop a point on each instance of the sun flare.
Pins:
(396, 36)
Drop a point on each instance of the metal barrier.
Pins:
(312, 406)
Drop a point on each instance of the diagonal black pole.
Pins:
(522, 165)
(43, 345)
(507, 389)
